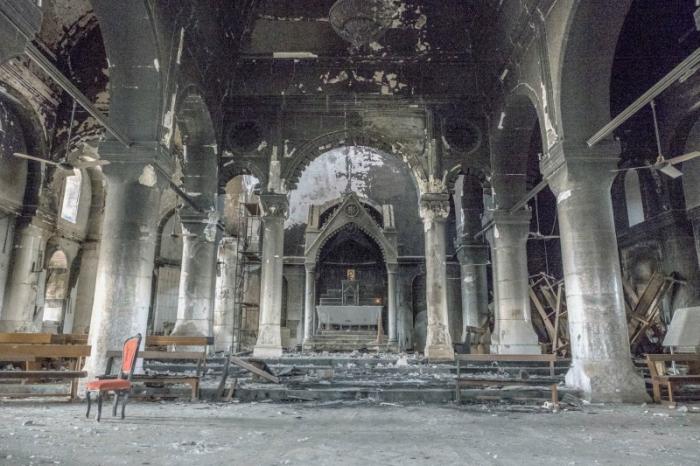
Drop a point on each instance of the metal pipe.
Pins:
(42, 62)
(684, 70)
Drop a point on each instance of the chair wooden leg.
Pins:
(670, 392)
(99, 406)
(126, 397)
(87, 396)
(115, 404)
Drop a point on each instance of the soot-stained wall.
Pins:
(382, 178)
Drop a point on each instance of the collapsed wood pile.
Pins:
(550, 319)
(646, 328)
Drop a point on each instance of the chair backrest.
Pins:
(130, 352)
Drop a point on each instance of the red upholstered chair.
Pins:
(121, 385)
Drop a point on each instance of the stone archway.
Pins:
(323, 144)
(356, 220)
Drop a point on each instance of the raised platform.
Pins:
(347, 340)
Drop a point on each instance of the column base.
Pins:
(269, 344)
(607, 381)
(439, 353)
(191, 328)
(267, 351)
(14, 326)
(515, 349)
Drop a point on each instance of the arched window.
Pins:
(71, 197)
(633, 198)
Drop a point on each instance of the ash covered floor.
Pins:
(347, 433)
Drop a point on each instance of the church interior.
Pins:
(234, 215)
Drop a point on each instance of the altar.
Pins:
(348, 316)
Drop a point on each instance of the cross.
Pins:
(348, 171)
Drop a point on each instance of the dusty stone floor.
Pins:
(34, 432)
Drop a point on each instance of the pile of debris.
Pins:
(646, 327)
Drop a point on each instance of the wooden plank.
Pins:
(678, 357)
(26, 338)
(25, 358)
(172, 355)
(508, 357)
(44, 351)
(557, 314)
(502, 382)
(254, 369)
(160, 340)
(547, 323)
(163, 355)
(42, 374)
(69, 339)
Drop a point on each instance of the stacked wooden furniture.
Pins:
(549, 300)
(475, 381)
(643, 311)
(166, 348)
(43, 357)
(664, 377)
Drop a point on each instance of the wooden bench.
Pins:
(551, 382)
(157, 349)
(35, 352)
(660, 376)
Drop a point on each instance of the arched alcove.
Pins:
(167, 274)
(633, 198)
(56, 291)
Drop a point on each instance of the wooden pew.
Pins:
(24, 352)
(462, 381)
(660, 376)
(160, 348)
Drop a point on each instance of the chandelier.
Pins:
(360, 21)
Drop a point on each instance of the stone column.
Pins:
(274, 210)
(391, 302)
(694, 217)
(309, 302)
(127, 249)
(23, 283)
(601, 365)
(226, 311)
(7, 242)
(513, 332)
(195, 304)
(86, 287)
(17, 14)
(434, 209)
(473, 262)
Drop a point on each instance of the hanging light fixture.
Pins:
(360, 21)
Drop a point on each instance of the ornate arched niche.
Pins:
(374, 220)
(351, 262)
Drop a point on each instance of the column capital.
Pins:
(509, 228)
(147, 162)
(504, 217)
(310, 267)
(472, 254)
(392, 268)
(567, 165)
(274, 205)
(435, 206)
(205, 226)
